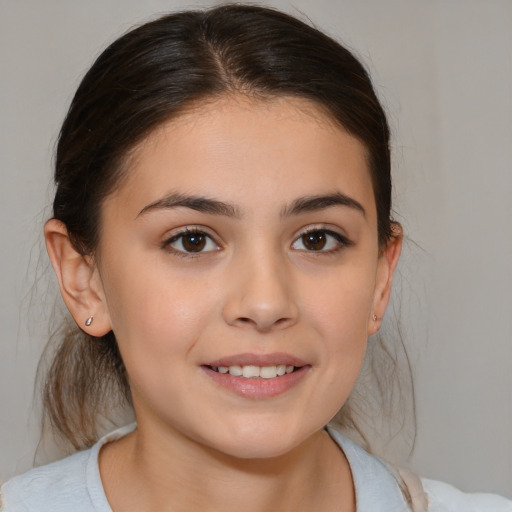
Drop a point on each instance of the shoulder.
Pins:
(73, 483)
(381, 487)
(56, 486)
(377, 485)
(443, 497)
(433, 496)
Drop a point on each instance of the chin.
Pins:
(260, 441)
(256, 449)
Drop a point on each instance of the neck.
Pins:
(167, 474)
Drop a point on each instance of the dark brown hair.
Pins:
(143, 79)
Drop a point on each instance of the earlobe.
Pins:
(388, 260)
(79, 280)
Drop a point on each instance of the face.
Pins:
(244, 241)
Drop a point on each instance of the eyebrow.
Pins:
(216, 207)
(321, 202)
(198, 203)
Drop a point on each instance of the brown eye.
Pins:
(194, 242)
(190, 242)
(321, 240)
(314, 241)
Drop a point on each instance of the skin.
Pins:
(257, 287)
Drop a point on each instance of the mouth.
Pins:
(258, 376)
(255, 372)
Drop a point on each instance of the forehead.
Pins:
(243, 150)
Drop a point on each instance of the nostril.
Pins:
(262, 324)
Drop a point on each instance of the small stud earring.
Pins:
(374, 317)
(88, 322)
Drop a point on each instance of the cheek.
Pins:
(339, 311)
(341, 303)
(154, 313)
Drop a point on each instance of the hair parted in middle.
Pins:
(149, 76)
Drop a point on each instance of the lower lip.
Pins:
(257, 387)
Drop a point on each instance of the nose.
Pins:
(260, 295)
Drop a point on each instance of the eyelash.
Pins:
(167, 244)
(341, 242)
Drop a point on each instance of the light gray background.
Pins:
(444, 71)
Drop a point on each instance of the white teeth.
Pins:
(251, 371)
(236, 371)
(268, 372)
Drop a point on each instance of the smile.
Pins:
(254, 381)
(255, 372)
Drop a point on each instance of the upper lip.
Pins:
(248, 359)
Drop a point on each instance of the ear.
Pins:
(79, 280)
(388, 260)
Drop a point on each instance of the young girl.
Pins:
(222, 237)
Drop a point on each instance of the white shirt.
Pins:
(74, 484)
